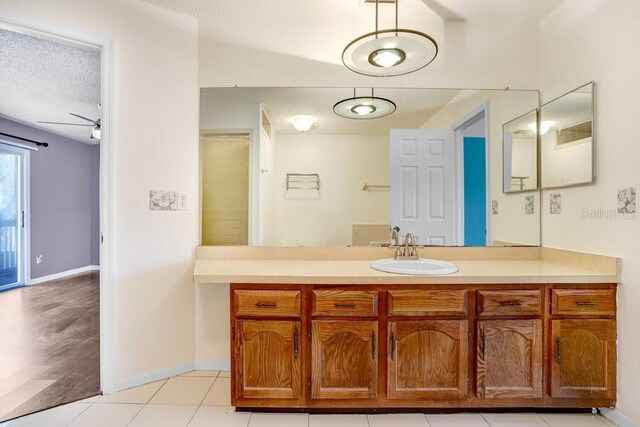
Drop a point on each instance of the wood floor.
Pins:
(49, 344)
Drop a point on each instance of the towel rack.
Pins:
(375, 187)
(303, 181)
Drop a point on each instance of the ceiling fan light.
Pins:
(387, 58)
(95, 132)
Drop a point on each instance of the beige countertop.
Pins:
(479, 266)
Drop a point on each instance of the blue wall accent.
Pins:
(475, 192)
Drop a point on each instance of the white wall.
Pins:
(156, 147)
(511, 224)
(566, 165)
(579, 42)
(344, 162)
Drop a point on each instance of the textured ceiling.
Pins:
(414, 107)
(43, 80)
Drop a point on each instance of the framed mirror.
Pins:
(567, 139)
(520, 153)
(281, 168)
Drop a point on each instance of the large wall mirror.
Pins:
(433, 167)
(566, 139)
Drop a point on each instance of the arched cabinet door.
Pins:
(344, 359)
(509, 359)
(427, 359)
(268, 359)
(583, 358)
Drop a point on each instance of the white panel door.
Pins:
(423, 184)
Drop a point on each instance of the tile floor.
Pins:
(201, 399)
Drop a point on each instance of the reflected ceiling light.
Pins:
(364, 107)
(545, 126)
(302, 123)
(393, 52)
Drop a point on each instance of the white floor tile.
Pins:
(92, 399)
(140, 395)
(456, 420)
(514, 420)
(224, 374)
(572, 420)
(279, 420)
(213, 374)
(183, 391)
(60, 416)
(219, 416)
(398, 420)
(107, 415)
(342, 420)
(164, 416)
(220, 393)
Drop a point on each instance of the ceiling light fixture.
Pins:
(364, 107)
(95, 132)
(303, 123)
(393, 52)
(545, 126)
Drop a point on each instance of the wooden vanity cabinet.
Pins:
(417, 346)
(583, 343)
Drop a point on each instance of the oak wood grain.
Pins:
(416, 302)
(427, 359)
(338, 302)
(583, 302)
(509, 303)
(509, 361)
(268, 303)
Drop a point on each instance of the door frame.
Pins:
(459, 127)
(25, 245)
(61, 34)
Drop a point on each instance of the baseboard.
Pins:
(64, 274)
(213, 365)
(617, 417)
(150, 377)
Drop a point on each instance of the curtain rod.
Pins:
(39, 144)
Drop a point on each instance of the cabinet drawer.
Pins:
(510, 303)
(427, 302)
(249, 302)
(583, 302)
(344, 303)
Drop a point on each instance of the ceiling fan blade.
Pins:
(83, 118)
(68, 124)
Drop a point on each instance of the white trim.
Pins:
(149, 377)
(64, 274)
(52, 31)
(213, 365)
(459, 126)
(617, 417)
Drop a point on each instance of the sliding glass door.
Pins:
(13, 163)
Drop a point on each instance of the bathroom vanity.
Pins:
(515, 327)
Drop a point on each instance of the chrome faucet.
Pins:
(394, 242)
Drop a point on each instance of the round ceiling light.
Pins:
(387, 53)
(302, 123)
(364, 107)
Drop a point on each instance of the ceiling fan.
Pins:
(95, 132)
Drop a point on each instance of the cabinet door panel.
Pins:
(583, 358)
(344, 359)
(509, 359)
(268, 362)
(428, 359)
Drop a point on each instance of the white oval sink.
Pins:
(425, 267)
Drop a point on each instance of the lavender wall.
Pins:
(64, 201)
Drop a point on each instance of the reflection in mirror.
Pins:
(566, 140)
(520, 153)
(433, 168)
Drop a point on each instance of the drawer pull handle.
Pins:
(266, 304)
(295, 343)
(484, 345)
(344, 305)
(558, 356)
(587, 303)
(511, 303)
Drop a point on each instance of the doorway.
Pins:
(14, 240)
